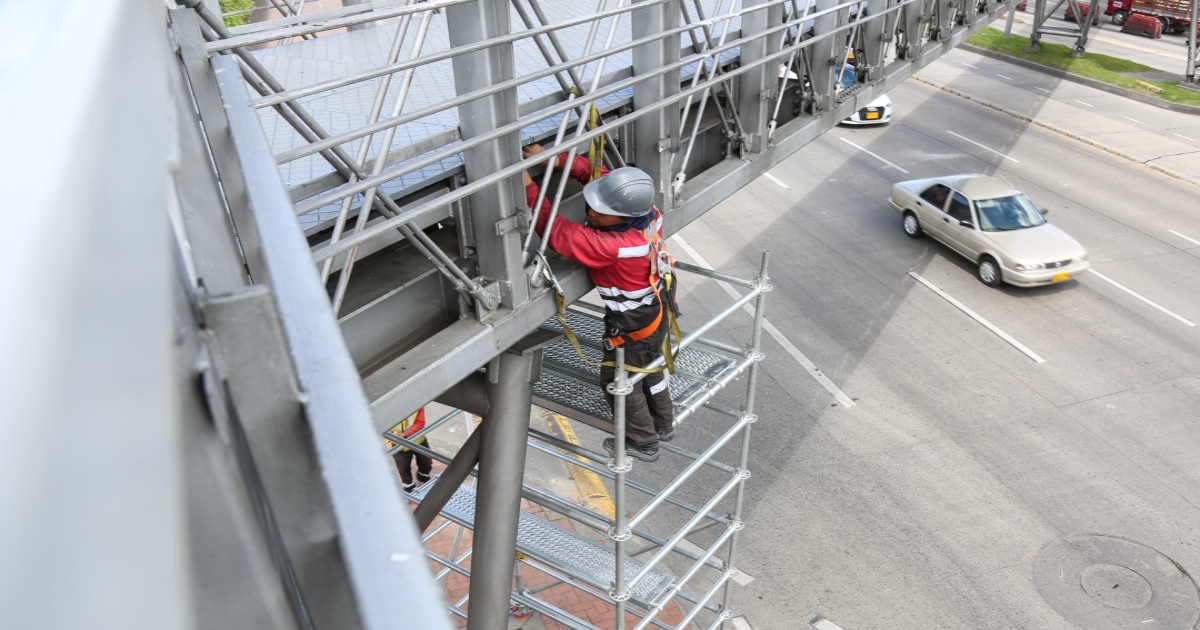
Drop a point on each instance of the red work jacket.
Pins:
(617, 262)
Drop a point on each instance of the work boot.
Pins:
(665, 435)
(646, 453)
(409, 487)
(422, 478)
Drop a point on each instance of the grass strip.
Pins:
(1110, 70)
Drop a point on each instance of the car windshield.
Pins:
(1008, 213)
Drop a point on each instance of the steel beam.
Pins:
(657, 134)
(825, 53)
(499, 254)
(501, 470)
(365, 495)
(757, 88)
(448, 482)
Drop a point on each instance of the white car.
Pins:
(877, 112)
(993, 225)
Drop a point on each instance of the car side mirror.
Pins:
(967, 224)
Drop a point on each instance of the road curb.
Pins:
(1059, 130)
(1099, 85)
(593, 495)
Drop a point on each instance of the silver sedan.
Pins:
(993, 225)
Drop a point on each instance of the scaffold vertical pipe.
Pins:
(751, 384)
(619, 388)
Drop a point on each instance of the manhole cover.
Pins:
(1102, 583)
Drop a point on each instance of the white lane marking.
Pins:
(740, 623)
(1141, 297)
(975, 316)
(970, 66)
(776, 180)
(1082, 103)
(1134, 120)
(983, 147)
(1042, 89)
(1186, 238)
(788, 346)
(1183, 136)
(874, 156)
(821, 623)
(1004, 77)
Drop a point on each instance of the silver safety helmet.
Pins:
(625, 192)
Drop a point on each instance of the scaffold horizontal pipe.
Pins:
(569, 447)
(548, 610)
(585, 588)
(606, 473)
(688, 472)
(416, 437)
(435, 531)
(320, 254)
(332, 84)
(318, 24)
(720, 345)
(720, 583)
(686, 529)
(691, 337)
(292, 20)
(683, 452)
(715, 275)
(678, 585)
(459, 562)
(722, 409)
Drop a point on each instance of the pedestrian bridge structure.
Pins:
(349, 241)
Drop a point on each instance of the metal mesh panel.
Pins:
(561, 547)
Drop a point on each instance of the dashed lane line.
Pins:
(874, 155)
(1186, 238)
(1142, 298)
(776, 180)
(821, 623)
(978, 318)
(1082, 103)
(779, 337)
(986, 148)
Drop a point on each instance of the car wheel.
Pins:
(1119, 17)
(1166, 24)
(912, 227)
(989, 271)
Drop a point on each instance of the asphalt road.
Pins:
(928, 502)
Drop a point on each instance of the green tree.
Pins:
(229, 6)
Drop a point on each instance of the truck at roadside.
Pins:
(1175, 15)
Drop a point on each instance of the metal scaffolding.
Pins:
(613, 574)
(352, 241)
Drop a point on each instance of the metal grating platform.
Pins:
(555, 546)
(571, 386)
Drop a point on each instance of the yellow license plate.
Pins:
(1059, 277)
(872, 115)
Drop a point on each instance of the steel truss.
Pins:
(366, 240)
(1084, 16)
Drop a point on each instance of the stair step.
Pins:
(571, 386)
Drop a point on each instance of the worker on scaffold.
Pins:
(621, 244)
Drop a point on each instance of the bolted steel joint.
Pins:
(625, 466)
(742, 473)
(737, 524)
(618, 597)
(616, 390)
(620, 535)
(764, 286)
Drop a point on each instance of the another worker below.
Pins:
(404, 457)
(620, 246)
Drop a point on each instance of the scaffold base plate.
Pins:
(561, 548)
(571, 386)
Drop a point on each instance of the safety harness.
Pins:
(662, 268)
